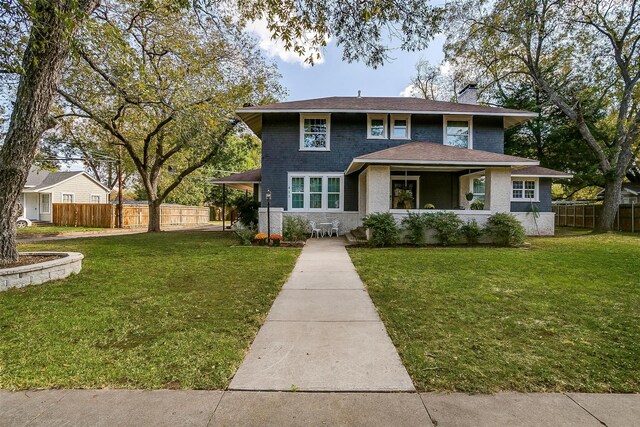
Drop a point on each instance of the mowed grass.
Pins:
(167, 310)
(53, 230)
(563, 315)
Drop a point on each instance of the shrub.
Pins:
(505, 229)
(446, 225)
(471, 231)
(244, 234)
(247, 211)
(415, 225)
(383, 227)
(275, 239)
(295, 228)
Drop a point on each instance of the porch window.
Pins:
(457, 132)
(376, 126)
(524, 190)
(314, 132)
(45, 203)
(67, 198)
(478, 188)
(316, 192)
(400, 126)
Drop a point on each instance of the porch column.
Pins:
(498, 189)
(378, 189)
(362, 193)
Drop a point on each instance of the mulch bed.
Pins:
(28, 260)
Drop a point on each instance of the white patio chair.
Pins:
(335, 227)
(315, 229)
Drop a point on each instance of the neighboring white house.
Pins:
(629, 193)
(43, 188)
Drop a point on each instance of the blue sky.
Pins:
(333, 77)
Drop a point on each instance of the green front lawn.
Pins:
(563, 315)
(166, 310)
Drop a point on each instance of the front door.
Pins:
(31, 208)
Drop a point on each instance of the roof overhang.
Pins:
(528, 175)
(357, 164)
(253, 117)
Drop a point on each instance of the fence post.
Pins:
(633, 217)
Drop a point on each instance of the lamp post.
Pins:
(268, 216)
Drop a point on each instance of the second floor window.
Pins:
(457, 132)
(314, 132)
(376, 126)
(400, 126)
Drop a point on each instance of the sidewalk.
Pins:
(245, 408)
(323, 332)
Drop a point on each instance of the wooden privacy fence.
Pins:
(586, 216)
(133, 216)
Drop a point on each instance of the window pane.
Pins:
(315, 185)
(530, 185)
(334, 201)
(297, 185)
(315, 125)
(458, 141)
(315, 140)
(315, 200)
(529, 194)
(377, 127)
(457, 128)
(517, 185)
(399, 128)
(334, 185)
(517, 194)
(297, 201)
(478, 186)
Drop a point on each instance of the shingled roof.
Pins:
(252, 116)
(430, 154)
(540, 172)
(241, 180)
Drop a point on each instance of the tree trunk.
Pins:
(47, 49)
(154, 216)
(612, 191)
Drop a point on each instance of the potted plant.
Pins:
(429, 206)
(405, 198)
(469, 196)
(276, 239)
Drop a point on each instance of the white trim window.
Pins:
(316, 192)
(524, 190)
(377, 126)
(400, 126)
(314, 132)
(458, 131)
(68, 198)
(478, 188)
(94, 198)
(45, 203)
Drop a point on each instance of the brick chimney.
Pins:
(469, 95)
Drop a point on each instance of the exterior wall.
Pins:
(543, 225)
(348, 220)
(544, 193)
(275, 215)
(281, 148)
(498, 189)
(82, 187)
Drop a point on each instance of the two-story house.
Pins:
(346, 157)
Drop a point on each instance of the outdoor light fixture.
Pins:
(268, 195)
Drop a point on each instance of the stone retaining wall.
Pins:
(36, 274)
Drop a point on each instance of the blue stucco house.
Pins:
(341, 158)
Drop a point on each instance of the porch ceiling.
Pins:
(241, 181)
(430, 154)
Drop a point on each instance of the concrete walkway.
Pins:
(323, 332)
(245, 408)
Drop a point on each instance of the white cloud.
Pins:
(409, 92)
(275, 48)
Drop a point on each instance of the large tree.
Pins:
(165, 84)
(577, 53)
(51, 25)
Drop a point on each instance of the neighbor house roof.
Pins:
(629, 187)
(40, 179)
(241, 180)
(540, 172)
(430, 154)
(252, 116)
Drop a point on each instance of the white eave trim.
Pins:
(356, 164)
(564, 176)
(446, 112)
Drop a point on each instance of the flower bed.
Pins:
(57, 265)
